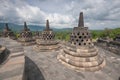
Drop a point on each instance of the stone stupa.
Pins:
(26, 37)
(80, 54)
(46, 41)
(7, 32)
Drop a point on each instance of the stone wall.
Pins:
(112, 46)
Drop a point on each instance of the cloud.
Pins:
(98, 14)
(31, 14)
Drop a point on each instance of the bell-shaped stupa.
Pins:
(80, 53)
(26, 37)
(7, 32)
(46, 40)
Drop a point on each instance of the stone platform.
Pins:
(13, 67)
(49, 68)
(45, 66)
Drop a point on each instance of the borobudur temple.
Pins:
(80, 53)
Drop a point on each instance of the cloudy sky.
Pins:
(98, 14)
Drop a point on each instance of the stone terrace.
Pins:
(52, 69)
(45, 66)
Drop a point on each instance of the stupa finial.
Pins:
(25, 26)
(81, 20)
(47, 25)
(6, 26)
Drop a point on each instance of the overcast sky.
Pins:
(98, 14)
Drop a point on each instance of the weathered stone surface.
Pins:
(81, 53)
(12, 68)
(26, 37)
(46, 40)
(46, 66)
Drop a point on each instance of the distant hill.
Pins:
(16, 27)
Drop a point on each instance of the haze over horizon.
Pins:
(98, 14)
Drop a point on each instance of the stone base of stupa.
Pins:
(26, 42)
(13, 37)
(46, 45)
(81, 58)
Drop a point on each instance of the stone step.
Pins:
(17, 54)
(78, 69)
(46, 48)
(84, 64)
(81, 59)
(90, 54)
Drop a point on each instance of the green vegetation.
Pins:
(65, 34)
(112, 33)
